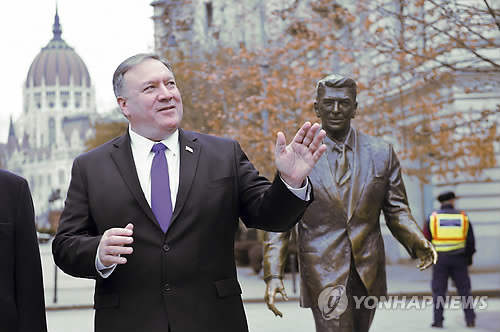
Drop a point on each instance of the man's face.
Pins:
(336, 107)
(151, 101)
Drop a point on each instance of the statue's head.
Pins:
(336, 104)
(336, 81)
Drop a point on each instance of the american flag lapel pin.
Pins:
(189, 149)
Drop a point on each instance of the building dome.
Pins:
(58, 62)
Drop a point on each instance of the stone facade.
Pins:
(205, 25)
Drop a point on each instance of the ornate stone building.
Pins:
(205, 25)
(56, 120)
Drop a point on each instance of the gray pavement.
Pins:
(403, 280)
(296, 319)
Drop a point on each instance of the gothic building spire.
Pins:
(12, 143)
(57, 27)
(12, 132)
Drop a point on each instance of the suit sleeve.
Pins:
(397, 211)
(29, 281)
(270, 208)
(75, 245)
(275, 253)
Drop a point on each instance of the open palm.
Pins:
(296, 160)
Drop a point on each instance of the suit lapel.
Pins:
(124, 161)
(189, 150)
(322, 173)
(362, 163)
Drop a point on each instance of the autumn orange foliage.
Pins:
(414, 61)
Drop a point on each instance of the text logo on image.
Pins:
(332, 302)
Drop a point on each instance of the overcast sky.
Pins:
(102, 32)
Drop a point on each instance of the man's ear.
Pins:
(355, 109)
(122, 103)
(316, 108)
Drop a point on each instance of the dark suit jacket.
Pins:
(22, 304)
(332, 230)
(186, 277)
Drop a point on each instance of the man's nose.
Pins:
(335, 108)
(164, 93)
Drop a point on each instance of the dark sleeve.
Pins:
(470, 246)
(427, 231)
(271, 208)
(29, 281)
(75, 245)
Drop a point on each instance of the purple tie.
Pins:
(161, 203)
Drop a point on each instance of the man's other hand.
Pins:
(112, 245)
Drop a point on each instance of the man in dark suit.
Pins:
(340, 244)
(151, 215)
(22, 304)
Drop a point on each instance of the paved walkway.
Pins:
(403, 280)
(300, 320)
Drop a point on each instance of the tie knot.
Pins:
(339, 147)
(158, 147)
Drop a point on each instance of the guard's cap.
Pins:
(446, 196)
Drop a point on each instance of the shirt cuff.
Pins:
(104, 271)
(303, 193)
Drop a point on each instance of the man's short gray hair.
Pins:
(131, 63)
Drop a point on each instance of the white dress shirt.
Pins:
(143, 159)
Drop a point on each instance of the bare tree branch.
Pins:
(451, 37)
(492, 12)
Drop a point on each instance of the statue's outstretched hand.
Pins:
(427, 255)
(273, 287)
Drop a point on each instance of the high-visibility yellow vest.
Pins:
(448, 230)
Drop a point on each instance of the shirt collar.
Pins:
(349, 141)
(143, 145)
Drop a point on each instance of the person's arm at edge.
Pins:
(29, 292)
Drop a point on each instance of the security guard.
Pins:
(451, 233)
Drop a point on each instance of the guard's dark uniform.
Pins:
(451, 233)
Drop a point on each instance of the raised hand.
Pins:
(296, 160)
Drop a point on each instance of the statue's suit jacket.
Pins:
(185, 278)
(22, 304)
(332, 229)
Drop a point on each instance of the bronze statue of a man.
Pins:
(340, 246)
